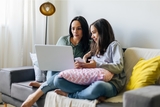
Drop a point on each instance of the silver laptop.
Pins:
(54, 58)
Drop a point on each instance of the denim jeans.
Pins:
(93, 91)
(50, 74)
(49, 84)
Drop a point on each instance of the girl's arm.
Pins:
(86, 56)
(116, 63)
(91, 64)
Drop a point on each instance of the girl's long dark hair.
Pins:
(106, 36)
(85, 40)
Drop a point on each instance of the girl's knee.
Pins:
(99, 84)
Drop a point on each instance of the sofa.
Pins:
(0, 99)
(15, 89)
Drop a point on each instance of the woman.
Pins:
(79, 40)
(105, 53)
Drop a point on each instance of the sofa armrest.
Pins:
(143, 97)
(14, 75)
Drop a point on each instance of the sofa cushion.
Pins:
(21, 90)
(145, 72)
(132, 56)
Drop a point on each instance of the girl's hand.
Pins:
(92, 63)
(78, 65)
(86, 56)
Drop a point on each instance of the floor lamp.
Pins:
(47, 9)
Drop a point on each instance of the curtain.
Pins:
(21, 26)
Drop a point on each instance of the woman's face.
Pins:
(95, 35)
(76, 29)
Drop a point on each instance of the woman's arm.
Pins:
(62, 40)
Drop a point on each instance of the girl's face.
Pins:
(94, 32)
(76, 29)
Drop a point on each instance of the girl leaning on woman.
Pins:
(105, 53)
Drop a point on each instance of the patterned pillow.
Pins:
(86, 76)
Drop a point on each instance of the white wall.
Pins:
(135, 22)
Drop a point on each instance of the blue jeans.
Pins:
(49, 84)
(91, 92)
(50, 74)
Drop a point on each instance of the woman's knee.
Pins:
(57, 81)
(51, 74)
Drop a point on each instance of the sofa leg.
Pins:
(5, 104)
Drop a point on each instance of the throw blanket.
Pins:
(55, 100)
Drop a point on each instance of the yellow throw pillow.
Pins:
(145, 72)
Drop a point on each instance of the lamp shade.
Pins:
(47, 9)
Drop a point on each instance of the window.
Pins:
(2, 11)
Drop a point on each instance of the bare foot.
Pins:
(32, 98)
(101, 99)
(29, 102)
(35, 84)
(60, 92)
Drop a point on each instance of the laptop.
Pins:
(54, 58)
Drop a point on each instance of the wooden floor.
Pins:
(1, 105)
